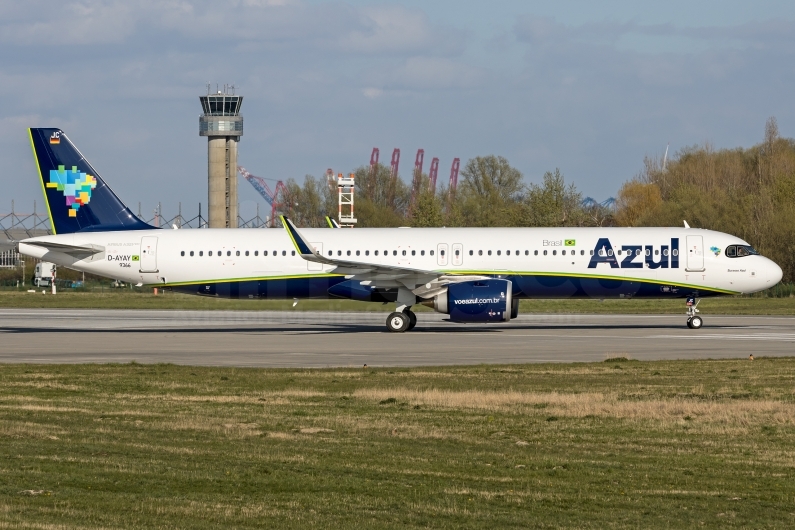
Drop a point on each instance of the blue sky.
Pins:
(587, 87)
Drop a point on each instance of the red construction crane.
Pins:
(374, 160)
(454, 174)
(416, 182)
(395, 162)
(271, 197)
(432, 174)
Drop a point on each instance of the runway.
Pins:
(321, 339)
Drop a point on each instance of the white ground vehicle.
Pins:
(44, 274)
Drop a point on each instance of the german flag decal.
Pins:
(55, 138)
(569, 242)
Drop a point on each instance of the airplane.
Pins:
(474, 275)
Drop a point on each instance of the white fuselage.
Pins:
(196, 257)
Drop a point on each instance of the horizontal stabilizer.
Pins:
(66, 249)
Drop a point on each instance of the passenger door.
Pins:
(441, 254)
(695, 253)
(148, 254)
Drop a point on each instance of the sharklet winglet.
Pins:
(301, 245)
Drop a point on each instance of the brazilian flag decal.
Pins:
(136, 258)
(569, 243)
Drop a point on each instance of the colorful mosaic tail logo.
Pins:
(715, 250)
(75, 185)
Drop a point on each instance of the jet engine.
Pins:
(477, 301)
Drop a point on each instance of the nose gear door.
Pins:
(695, 253)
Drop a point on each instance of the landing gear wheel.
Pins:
(412, 319)
(695, 322)
(398, 322)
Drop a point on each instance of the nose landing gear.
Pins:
(693, 320)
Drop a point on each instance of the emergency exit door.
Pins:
(695, 253)
(148, 254)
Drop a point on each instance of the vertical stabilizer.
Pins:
(77, 198)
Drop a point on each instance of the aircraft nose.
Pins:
(774, 273)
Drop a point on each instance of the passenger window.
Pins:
(191, 253)
(592, 253)
(665, 252)
(582, 253)
(657, 252)
(284, 252)
(201, 253)
(610, 252)
(376, 252)
(210, 253)
(675, 252)
(489, 252)
(394, 252)
(535, 253)
(471, 252)
(182, 253)
(480, 252)
(275, 253)
(431, 252)
(237, 253)
(563, 252)
(339, 253)
(554, 252)
(357, 253)
(220, 253)
(499, 252)
(507, 252)
(256, 252)
(330, 252)
(442, 252)
(366, 252)
(618, 252)
(457, 252)
(413, 252)
(404, 252)
(545, 252)
(264, 252)
(517, 252)
(292, 253)
(422, 252)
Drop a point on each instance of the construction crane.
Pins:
(271, 197)
(433, 174)
(393, 182)
(454, 175)
(417, 180)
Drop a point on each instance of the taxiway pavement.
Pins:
(319, 339)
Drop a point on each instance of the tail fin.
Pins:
(77, 198)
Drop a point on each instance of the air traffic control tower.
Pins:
(222, 124)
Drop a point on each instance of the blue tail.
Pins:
(77, 198)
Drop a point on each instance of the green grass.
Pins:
(126, 299)
(620, 444)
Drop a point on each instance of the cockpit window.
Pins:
(739, 251)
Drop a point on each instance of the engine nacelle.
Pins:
(478, 301)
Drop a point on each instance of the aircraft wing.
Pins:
(422, 282)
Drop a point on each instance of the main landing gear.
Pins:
(398, 322)
(693, 320)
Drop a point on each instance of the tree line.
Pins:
(746, 192)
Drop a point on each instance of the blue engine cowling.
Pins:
(477, 301)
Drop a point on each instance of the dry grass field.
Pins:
(617, 444)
